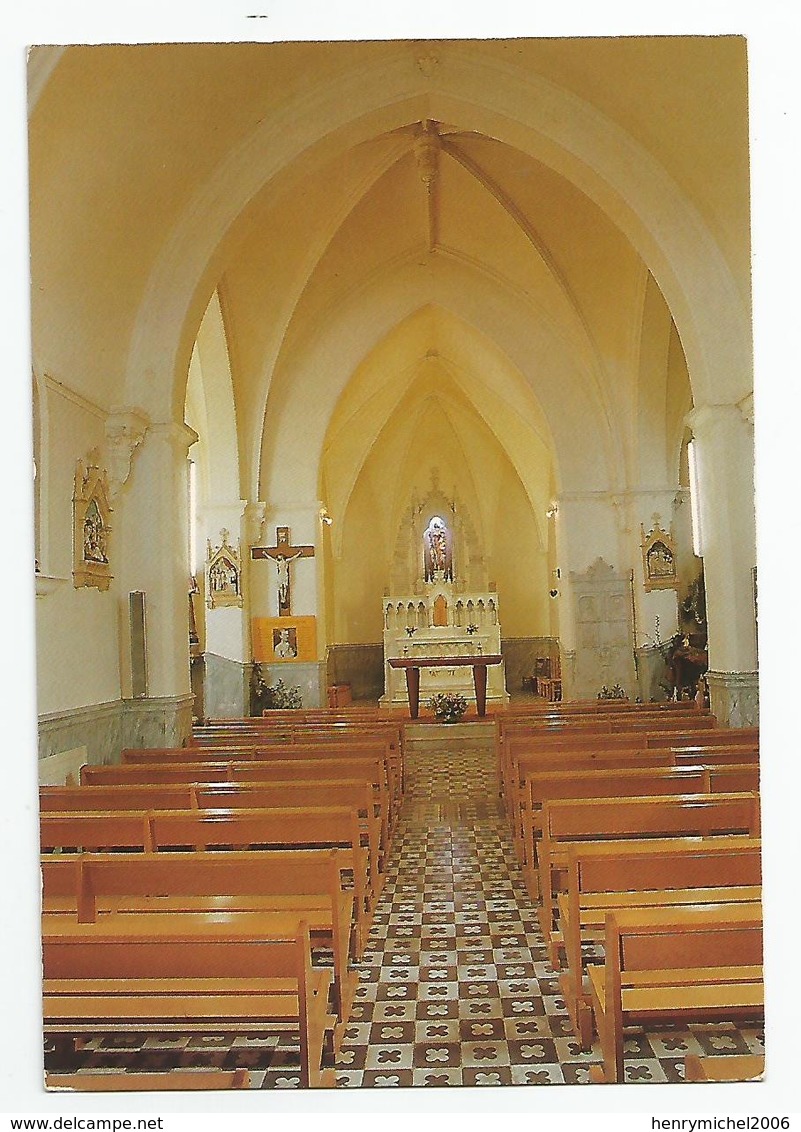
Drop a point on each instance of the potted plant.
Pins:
(448, 707)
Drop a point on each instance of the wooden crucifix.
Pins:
(282, 554)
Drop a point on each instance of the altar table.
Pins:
(412, 666)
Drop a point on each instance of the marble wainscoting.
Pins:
(309, 678)
(734, 698)
(520, 655)
(157, 721)
(96, 728)
(651, 674)
(361, 666)
(226, 687)
(103, 730)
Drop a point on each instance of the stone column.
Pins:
(155, 522)
(725, 459)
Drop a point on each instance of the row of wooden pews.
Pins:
(223, 887)
(637, 828)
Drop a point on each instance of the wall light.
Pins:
(325, 517)
(552, 510)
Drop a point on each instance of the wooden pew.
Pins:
(544, 786)
(602, 782)
(322, 828)
(549, 754)
(279, 785)
(307, 883)
(350, 793)
(62, 799)
(614, 819)
(176, 1080)
(369, 770)
(520, 744)
(301, 779)
(262, 732)
(604, 878)
(726, 753)
(186, 974)
(315, 752)
(664, 966)
(734, 1067)
(546, 762)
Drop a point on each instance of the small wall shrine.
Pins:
(441, 619)
(91, 510)
(223, 574)
(658, 558)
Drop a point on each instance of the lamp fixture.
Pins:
(325, 517)
(552, 510)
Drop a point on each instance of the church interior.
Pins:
(372, 379)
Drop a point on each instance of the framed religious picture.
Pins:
(91, 510)
(223, 574)
(658, 558)
(282, 640)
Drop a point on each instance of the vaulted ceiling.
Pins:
(376, 218)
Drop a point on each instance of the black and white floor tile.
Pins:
(454, 987)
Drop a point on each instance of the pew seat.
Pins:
(735, 1067)
(176, 1080)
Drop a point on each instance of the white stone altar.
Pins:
(442, 621)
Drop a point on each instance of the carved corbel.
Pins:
(125, 431)
(255, 518)
(746, 407)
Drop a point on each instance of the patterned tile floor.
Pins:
(455, 987)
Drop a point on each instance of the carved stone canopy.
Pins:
(91, 507)
(223, 574)
(658, 558)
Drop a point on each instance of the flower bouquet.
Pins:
(448, 707)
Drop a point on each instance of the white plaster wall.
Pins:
(76, 629)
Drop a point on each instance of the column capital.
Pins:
(706, 418)
(179, 435)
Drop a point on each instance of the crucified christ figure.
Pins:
(282, 566)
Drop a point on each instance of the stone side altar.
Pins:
(440, 621)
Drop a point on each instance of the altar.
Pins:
(441, 623)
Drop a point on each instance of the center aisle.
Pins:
(454, 987)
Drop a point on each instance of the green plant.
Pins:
(266, 697)
(613, 693)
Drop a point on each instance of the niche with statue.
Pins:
(431, 610)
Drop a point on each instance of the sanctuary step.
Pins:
(428, 736)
